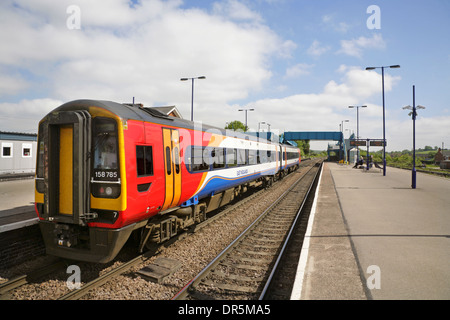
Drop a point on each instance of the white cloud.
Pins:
(123, 51)
(236, 10)
(11, 82)
(24, 116)
(329, 21)
(300, 69)
(355, 47)
(316, 50)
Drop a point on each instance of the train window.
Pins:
(252, 157)
(292, 155)
(105, 144)
(218, 158)
(198, 159)
(270, 156)
(168, 162)
(177, 160)
(241, 158)
(262, 156)
(231, 157)
(144, 160)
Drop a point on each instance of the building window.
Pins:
(26, 150)
(7, 150)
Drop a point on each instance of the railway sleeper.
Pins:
(229, 287)
(235, 277)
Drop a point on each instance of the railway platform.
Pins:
(17, 204)
(374, 237)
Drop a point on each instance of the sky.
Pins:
(298, 63)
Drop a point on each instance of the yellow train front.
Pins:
(71, 181)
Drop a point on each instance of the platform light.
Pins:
(357, 125)
(246, 111)
(192, 96)
(395, 66)
(413, 113)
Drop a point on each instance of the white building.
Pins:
(17, 152)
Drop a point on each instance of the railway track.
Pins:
(19, 281)
(5, 288)
(245, 268)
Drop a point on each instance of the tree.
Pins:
(236, 125)
(304, 146)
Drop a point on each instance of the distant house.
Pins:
(17, 152)
(171, 111)
(441, 155)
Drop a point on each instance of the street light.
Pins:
(357, 126)
(384, 121)
(343, 140)
(342, 126)
(246, 110)
(192, 96)
(413, 113)
(259, 125)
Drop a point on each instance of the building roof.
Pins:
(18, 136)
(170, 111)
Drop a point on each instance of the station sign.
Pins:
(358, 143)
(376, 143)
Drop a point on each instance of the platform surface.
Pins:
(17, 204)
(374, 237)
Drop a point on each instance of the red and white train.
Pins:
(105, 170)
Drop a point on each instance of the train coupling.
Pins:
(65, 236)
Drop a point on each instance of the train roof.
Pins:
(138, 112)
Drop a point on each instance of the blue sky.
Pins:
(299, 64)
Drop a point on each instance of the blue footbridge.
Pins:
(335, 152)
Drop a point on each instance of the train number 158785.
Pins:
(106, 175)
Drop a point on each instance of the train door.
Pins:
(66, 178)
(172, 167)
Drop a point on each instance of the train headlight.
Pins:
(108, 191)
(100, 190)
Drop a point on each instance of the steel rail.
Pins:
(291, 230)
(185, 291)
(78, 293)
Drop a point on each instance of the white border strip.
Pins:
(296, 293)
(18, 225)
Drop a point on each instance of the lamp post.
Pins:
(259, 125)
(384, 120)
(357, 125)
(343, 138)
(192, 96)
(246, 110)
(259, 128)
(413, 113)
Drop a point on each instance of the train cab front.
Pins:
(80, 190)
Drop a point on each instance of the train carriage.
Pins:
(106, 169)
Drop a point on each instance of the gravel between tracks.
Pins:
(194, 252)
